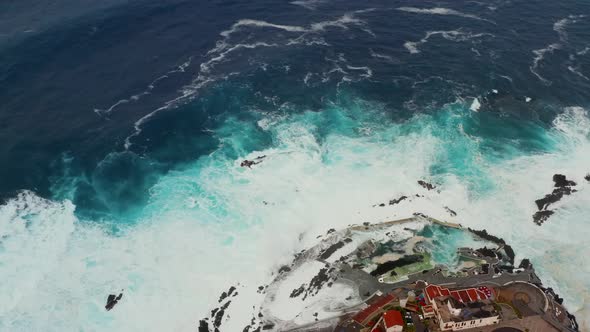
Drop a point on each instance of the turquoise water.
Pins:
(124, 126)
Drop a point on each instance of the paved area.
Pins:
(368, 284)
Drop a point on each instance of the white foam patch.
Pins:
(576, 71)
(308, 4)
(283, 306)
(475, 105)
(559, 27)
(452, 35)
(182, 254)
(540, 56)
(440, 11)
(223, 51)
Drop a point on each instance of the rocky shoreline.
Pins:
(338, 274)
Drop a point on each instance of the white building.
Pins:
(457, 310)
(391, 321)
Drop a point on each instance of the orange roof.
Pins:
(427, 308)
(393, 318)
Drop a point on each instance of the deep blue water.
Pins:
(128, 108)
(55, 77)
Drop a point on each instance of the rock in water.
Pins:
(563, 187)
(426, 185)
(112, 300)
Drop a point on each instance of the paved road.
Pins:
(368, 284)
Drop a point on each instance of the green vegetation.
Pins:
(402, 272)
(409, 328)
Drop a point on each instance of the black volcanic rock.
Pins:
(451, 212)
(555, 196)
(396, 201)
(525, 264)
(332, 249)
(284, 269)
(218, 317)
(510, 253)
(426, 185)
(561, 181)
(203, 326)
(484, 235)
(389, 266)
(587, 177)
(563, 187)
(112, 300)
(485, 251)
(541, 216)
(298, 291)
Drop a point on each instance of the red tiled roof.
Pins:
(456, 295)
(464, 296)
(393, 318)
(481, 295)
(377, 329)
(361, 316)
(427, 308)
(432, 291)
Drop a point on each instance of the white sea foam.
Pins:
(224, 48)
(179, 257)
(559, 27)
(307, 78)
(341, 22)
(475, 105)
(309, 4)
(368, 72)
(577, 71)
(376, 55)
(452, 35)
(441, 11)
(179, 69)
(540, 56)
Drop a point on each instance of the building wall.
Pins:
(381, 323)
(452, 326)
(395, 329)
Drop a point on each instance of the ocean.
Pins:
(124, 122)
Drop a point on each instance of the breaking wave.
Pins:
(452, 35)
(440, 11)
(211, 223)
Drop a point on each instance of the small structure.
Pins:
(391, 321)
